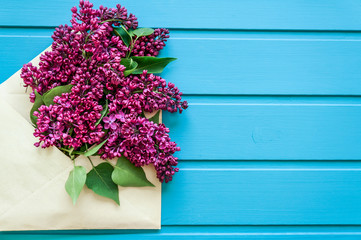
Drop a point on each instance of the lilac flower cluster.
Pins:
(103, 104)
(152, 44)
(143, 142)
(146, 92)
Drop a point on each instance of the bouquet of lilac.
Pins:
(91, 93)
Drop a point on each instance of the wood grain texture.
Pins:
(202, 233)
(236, 130)
(277, 194)
(245, 63)
(229, 14)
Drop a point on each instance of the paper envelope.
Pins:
(32, 180)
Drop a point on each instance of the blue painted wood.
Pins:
(228, 14)
(229, 193)
(246, 63)
(204, 232)
(213, 129)
(263, 66)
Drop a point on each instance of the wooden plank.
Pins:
(234, 194)
(215, 128)
(230, 14)
(265, 66)
(198, 233)
(19, 50)
(234, 62)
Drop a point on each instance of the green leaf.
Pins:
(123, 34)
(129, 64)
(103, 112)
(152, 64)
(140, 32)
(38, 102)
(130, 31)
(156, 117)
(75, 182)
(48, 97)
(99, 180)
(94, 149)
(127, 175)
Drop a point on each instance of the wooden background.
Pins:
(271, 142)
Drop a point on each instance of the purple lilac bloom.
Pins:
(103, 103)
(152, 44)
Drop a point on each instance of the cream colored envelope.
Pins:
(32, 180)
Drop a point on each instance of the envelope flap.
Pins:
(24, 168)
(32, 193)
(53, 209)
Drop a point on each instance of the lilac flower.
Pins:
(144, 142)
(88, 56)
(152, 44)
(110, 122)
